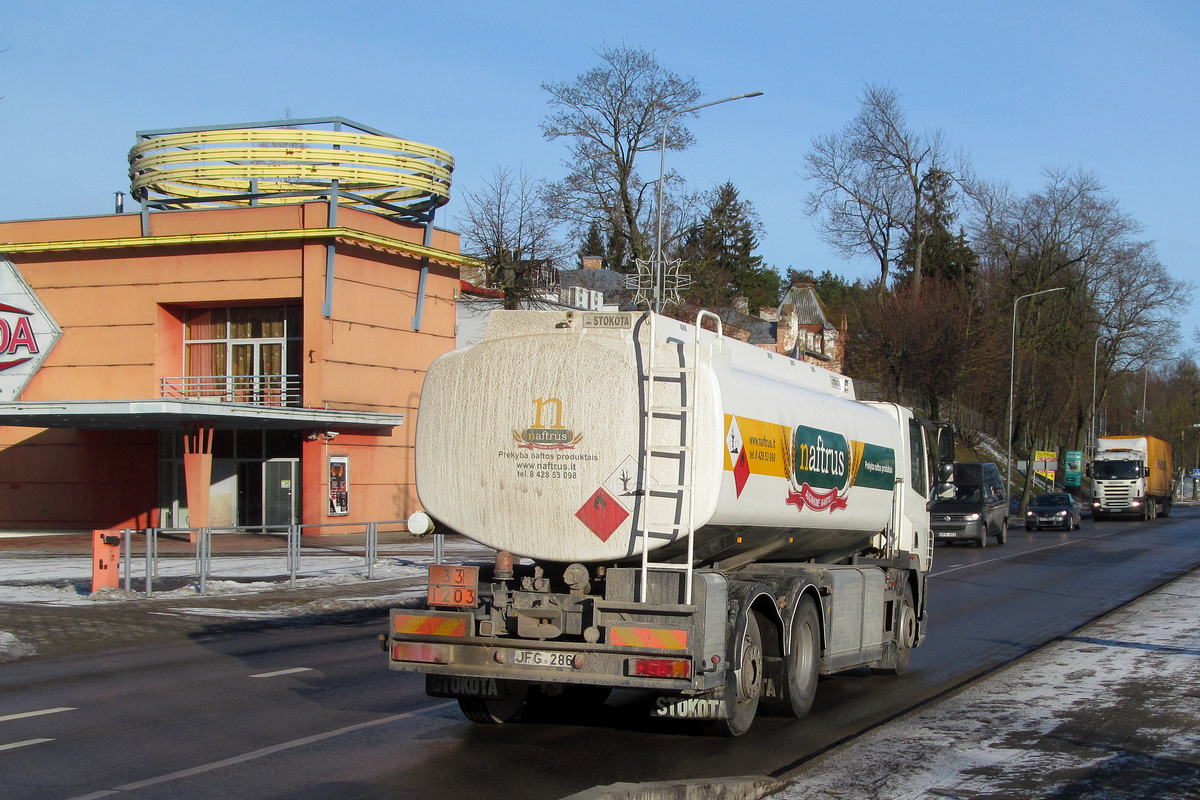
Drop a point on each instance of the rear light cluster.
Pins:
(662, 667)
(424, 653)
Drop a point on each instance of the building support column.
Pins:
(197, 472)
(330, 252)
(428, 242)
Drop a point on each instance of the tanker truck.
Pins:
(672, 510)
(1131, 475)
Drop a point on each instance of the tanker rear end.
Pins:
(672, 510)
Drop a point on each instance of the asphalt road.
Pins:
(313, 713)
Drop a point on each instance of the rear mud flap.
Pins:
(468, 686)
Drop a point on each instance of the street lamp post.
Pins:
(1012, 362)
(659, 266)
(1092, 417)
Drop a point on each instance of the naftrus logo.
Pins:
(821, 469)
(27, 332)
(826, 465)
(551, 436)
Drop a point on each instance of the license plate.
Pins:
(946, 534)
(542, 658)
(1047, 519)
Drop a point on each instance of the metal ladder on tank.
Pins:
(683, 378)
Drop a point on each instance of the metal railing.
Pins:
(259, 390)
(293, 566)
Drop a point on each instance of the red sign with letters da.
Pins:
(27, 332)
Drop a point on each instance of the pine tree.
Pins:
(593, 244)
(719, 255)
(944, 256)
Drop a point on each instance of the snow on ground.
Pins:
(66, 580)
(1040, 722)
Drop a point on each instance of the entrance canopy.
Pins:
(127, 415)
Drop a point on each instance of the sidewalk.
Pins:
(1110, 712)
(46, 610)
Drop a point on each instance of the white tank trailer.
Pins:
(672, 510)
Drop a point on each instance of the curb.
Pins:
(744, 788)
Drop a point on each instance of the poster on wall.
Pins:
(339, 486)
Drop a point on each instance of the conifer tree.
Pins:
(719, 255)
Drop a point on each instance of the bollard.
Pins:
(106, 556)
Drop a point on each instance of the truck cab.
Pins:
(1131, 477)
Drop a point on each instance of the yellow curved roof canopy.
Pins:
(241, 166)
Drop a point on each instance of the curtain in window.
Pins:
(205, 369)
(205, 323)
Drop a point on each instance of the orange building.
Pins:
(247, 351)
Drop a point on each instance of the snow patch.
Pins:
(12, 648)
(999, 734)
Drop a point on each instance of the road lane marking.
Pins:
(1006, 557)
(26, 743)
(27, 714)
(256, 754)
(279, 672)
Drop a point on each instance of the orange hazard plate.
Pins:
(453, 586)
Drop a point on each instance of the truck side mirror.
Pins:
(945, 444)
(945, 472)
(1087, 471)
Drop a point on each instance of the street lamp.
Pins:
(1092, 418)
(659, 266)
(1012, 362)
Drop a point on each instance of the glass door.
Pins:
(281, 495)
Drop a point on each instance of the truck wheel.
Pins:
(804, 662)
(494, 712)
(983, 537)
(1002, 536)
(747, 688)
(906, 634)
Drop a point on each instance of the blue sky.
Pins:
(1110, 87)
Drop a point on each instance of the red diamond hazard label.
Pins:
(737, 456)
(602, 514)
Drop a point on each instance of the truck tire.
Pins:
(1002, 536)
(983, 537)
(747, 684)
(804, 661)
(906, 634)
(498, 711)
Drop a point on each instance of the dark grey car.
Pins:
(972, 506)
(1055, 510)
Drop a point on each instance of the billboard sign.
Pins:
(1073, 473)
(1046, 463)
(27, 332)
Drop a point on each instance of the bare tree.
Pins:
(508, 226)
(609, 115)
(1120, 307)
(872, 179)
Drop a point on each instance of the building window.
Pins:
(243, 354)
